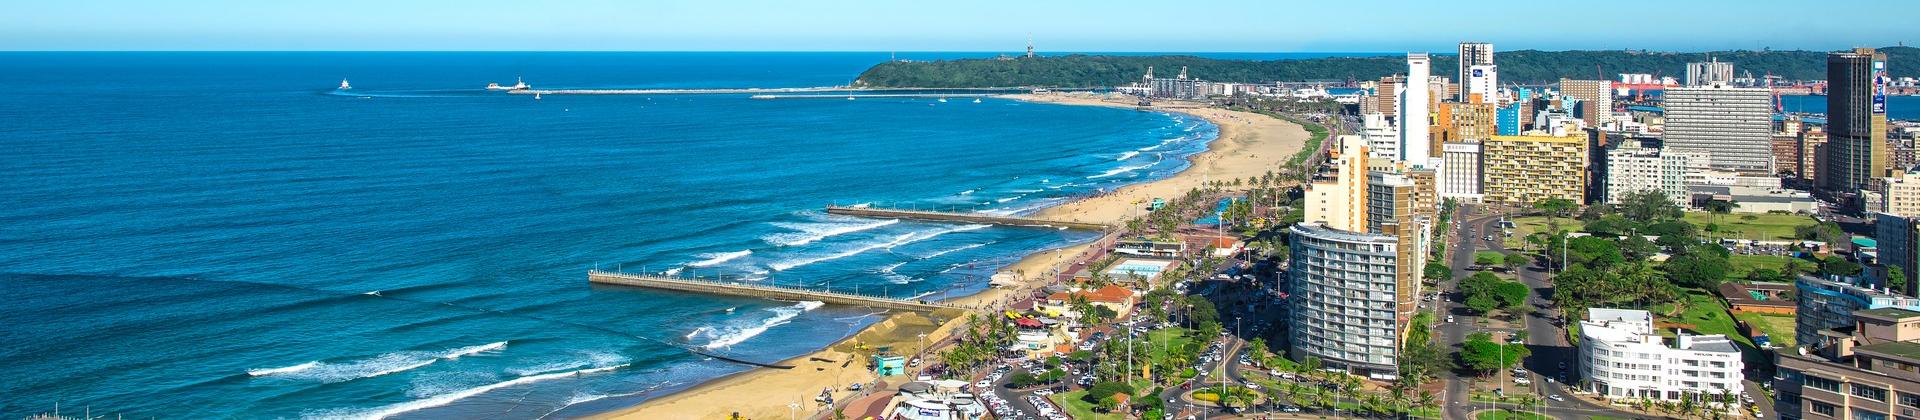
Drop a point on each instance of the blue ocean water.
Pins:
(1898, 107)
(225, 235)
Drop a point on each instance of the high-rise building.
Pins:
(1786, 154)
(1458, 122)
(1635, 165)
(1460, 172)
(1481, 83)
(1862, 370)
(1825, 303)
(1898, 240)
(1387, 96)
(1596, 99)
(1527, 169)
(1732, 125)
(1381, 136)
(1473, 54)
(1622, 357)
(1357, 258)
(1856, 120)
(1709, 72)
(1413, 117)
(1336, 197)
(1900, 194)
(1813, 154)
(1344, 299)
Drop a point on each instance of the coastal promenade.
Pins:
(941, 216)
(714, 287)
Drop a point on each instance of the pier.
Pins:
(940, 216)
(768, 91)
(715, 287)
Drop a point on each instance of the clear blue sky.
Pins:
(955, 25)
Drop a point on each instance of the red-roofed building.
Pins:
(1115, 297)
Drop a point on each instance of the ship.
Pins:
(517, 85)
(344, 85)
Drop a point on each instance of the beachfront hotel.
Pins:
(1623, 358)
(1356, 262)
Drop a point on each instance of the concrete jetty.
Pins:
(715, 287)
(940, 216)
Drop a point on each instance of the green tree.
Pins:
(1515, 260)
(1437, 271)
(1511, 294)
(1834, 265)
(1702, 271)
(1480, 353)
(1648, 206)
(1763, 274)
(1896, 278)
(1555, 207)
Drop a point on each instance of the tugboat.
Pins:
(517, 85)
(344, 85)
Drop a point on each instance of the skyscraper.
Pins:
(1702, 74)
(1473, 54)
(1481, 83)
(1413, 116)
(1596, 99)
(1732, 125)
(1856, 120)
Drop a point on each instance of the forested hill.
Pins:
(1524, 66)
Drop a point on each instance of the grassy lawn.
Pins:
(1509, 415)
(1078, 408)
(1765, 227)
(1497, 256)
(1705, 313)
(1743, 264)
(1778, 327)
(1528, 225)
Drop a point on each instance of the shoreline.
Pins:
(1236, 151)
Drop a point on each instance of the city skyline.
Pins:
(1240, 26)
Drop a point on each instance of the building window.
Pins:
(1868, 392)
(1823, 383)
(1822, 408)
(1859, 414)
(1910, 400)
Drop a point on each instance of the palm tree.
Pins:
(1688, 404)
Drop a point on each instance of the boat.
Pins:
(536, 96)
(976, 100)
(517, 85)
(344, 85)
(849, 97)
(943, 99)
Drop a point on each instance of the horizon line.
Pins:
(1010, 52)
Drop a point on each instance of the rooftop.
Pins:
(1888, 313)
(1905, 349)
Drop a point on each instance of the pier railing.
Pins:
(736, 288)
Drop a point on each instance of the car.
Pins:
(1253, 386)
(1523, 381)
(1519, 371)
(856, 386)
(983, 384)
(1289, 409)
(1556, 397)
(1043, 391)
(1449, 318)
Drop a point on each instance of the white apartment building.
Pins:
(1482, 82)
(1382, 137)
(1460, 166)
(1635, 165)
(1622, 358)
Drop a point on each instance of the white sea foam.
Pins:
(714, 259)
(1128, 155)
(728, 336)
(968, 192)
(450, 397)
(797, 262)
(385, 364)
(288, 369)
(811, 232)
(1003, 200)
(1120, 170)
(673, 271)
(953, 250)
(894, 277)
(580, 397)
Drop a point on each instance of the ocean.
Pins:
(225, 235)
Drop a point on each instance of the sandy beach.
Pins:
(1248, 145)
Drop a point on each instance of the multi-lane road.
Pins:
(1551, 355)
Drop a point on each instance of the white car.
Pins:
(1449, 318)
(1523, 381)
(982, 385)
(1043, 392)
(1556, 397)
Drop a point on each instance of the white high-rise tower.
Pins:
(1413, 117)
